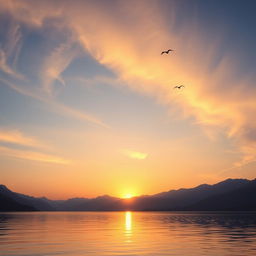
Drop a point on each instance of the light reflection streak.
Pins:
(128, 226)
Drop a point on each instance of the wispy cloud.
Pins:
(5, 67)
(16, 137)
(135, 154)
(49, 66)
(9, 50)
(55, 106)
(3, 63)
(58, 60)
(32, 155)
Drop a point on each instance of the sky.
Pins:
(88, 105)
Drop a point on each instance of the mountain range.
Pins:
(228, 195)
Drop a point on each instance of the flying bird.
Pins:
(178, 86)
(167, 52)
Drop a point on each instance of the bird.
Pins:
(167, 52)
(178, 86)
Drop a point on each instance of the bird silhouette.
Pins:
(167, 52)
(178, 86)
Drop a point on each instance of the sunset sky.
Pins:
(87, 105)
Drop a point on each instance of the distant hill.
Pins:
(242, 198)
(182, 199)
(40, 204)
(230, 194)
(9, 204)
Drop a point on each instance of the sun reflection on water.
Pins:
(128, 226)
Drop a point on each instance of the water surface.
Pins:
(127, 233)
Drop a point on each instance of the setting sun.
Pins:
(128, 196)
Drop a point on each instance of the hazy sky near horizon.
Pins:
(87, 105)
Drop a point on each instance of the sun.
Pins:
(128, 196)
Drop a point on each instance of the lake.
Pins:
(127, 233)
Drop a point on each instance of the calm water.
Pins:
(127, 233)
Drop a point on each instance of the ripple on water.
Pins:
(127, 233)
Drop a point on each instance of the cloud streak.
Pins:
(15, 137)
(55, 106)
(135, 154)
(10, 49)
(58, 60)
(32, 155)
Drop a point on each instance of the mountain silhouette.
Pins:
(181, 199)
(243, 198)
(231, 194)
(40, 204)
(9, 204)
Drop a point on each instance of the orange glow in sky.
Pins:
(89, 106)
